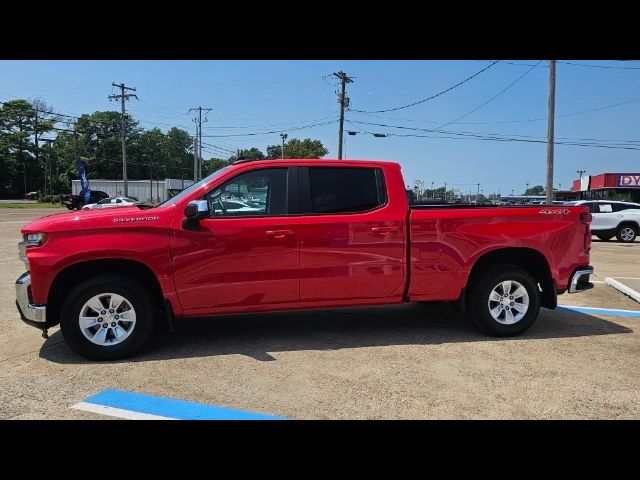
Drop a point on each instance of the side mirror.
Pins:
(195, 211)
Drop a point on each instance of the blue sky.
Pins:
(262, 96)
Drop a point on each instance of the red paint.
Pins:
(576, 186)
(598, 181)
(234, 265)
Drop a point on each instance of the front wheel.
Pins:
(626, 233)
(504, 300)
(107, 318)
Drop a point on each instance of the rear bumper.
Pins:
(32, 314)
(580, 280)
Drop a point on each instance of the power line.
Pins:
(458, 136)
(218, 147)
(598, 66)
(268, 133)
(492, 98)
(518, 121)
(433, 96)
(465, 133)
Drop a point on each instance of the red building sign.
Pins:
(628, 181)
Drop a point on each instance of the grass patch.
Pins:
(30, 205)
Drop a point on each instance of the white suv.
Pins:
(621, 219)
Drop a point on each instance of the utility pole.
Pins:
(35, 111)
(343, 101)
(123, 97)
(195, 158)
(50, 162)
(284, 137)
(198, 121)
(478, 194)
(550, 133)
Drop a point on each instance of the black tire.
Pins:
(482, 286)
(605, 238)
(133, 291)
(627, 233)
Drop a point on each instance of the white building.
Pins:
(143, 190)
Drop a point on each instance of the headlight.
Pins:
(30, 240)
(35, 239)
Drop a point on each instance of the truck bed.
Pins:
(446, 240)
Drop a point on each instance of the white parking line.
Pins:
(117, 412)
(623, 288)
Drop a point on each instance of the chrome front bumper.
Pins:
(580, 280)
(30, 313)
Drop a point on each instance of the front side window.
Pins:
(256, 193)
(345, 190)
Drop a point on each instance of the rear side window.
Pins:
(345, 190)
(604, 208)
(619, 207)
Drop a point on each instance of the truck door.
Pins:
(246, 255)
(352, 236)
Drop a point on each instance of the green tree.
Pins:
(296, 148)
(20, 123)
(213, 164)
(248, 154)
(537, 190)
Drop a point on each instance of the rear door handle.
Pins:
(278, 233)
(384, 229)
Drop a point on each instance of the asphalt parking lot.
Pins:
(412, 361)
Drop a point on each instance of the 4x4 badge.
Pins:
(556, 211)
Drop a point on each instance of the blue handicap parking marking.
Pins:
(599, 311)
(169, 407)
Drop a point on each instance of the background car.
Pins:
(241, 206)
(76, 202)
(111, 202)
(611, 218)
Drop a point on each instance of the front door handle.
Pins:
(278, 233)
(384, 229)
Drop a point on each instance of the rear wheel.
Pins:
(107, 318)
(504, 300)
(626, 233)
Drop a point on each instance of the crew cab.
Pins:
(329, 234)
(611, 218)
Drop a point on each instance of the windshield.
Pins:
(195, 186)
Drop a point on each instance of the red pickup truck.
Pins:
(293, 234)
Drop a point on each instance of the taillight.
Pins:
(585, 219)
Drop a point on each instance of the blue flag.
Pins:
(84, 181)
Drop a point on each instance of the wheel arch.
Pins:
(74, 274)
(531, 260)
(631, 223)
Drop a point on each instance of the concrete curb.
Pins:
(623, 288)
